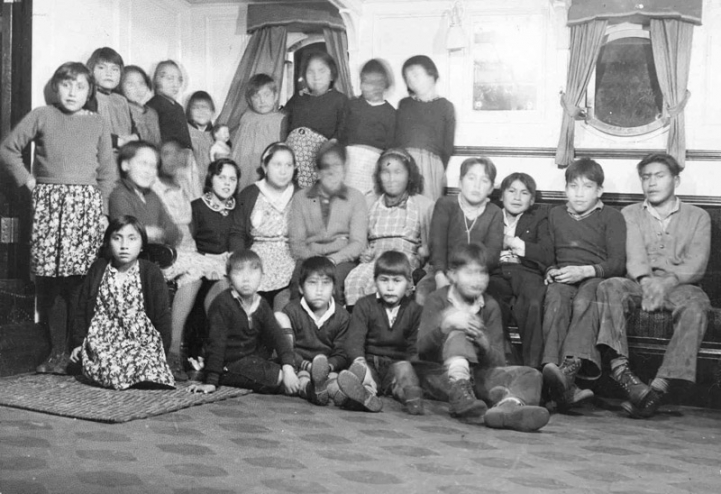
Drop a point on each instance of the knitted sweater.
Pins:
(325, 114)
(370, 125)
(342, 240)
(429, 125)
(171, 116)
(682, 249)
(146, 121)
(371, 334)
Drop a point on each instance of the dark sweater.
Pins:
(371, 334)
(448, 230)
(155, 296)
(598, 240)
(369, 125)
(232, 338)
(310, 340)
(429, 125)
(211, 230)
(325, 114)
(171, 116)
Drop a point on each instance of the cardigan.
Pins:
(682, 249)
(114, 109)
(212, 231)
(146, 120)
(155, 298)
(231, 337)
(171, 116)
(532, 228)
(371, 334)
(429, 125)
(369, 125)
(342, 240)
(310, 340)
(448, 230)
(325, 114)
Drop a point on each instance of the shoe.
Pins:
(54, 364)
(319, 380)
(176, 367)
(463, 401)
(359, 369)
(353, 388)
(635, 389)
(561, 382)
(646, 408)
(413, 399)
(514, 415)
(337, 396)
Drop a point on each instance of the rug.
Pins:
(68, 397)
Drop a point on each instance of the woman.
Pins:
(399, 219)
(264, 212)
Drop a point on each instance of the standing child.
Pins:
(221, 145)
(426, 123)
(315, 114)
(370, 127)
(318, 328)
(71, 180)
(244, 334)
(260, 126)
(382, 340)
(167, 81)
(135, 85)
(122, 327)
(200, 112)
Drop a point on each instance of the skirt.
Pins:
(361, 164)
(67, 233)
(305, 144)
(432, 171)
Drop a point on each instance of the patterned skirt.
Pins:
(305, 144)
(361, 161)
(432, 171)
(67, 231)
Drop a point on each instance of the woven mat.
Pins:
(68, 397)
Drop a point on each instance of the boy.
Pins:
(527, 252)
(318, 327)
(589, 242)
(243, 333)
(667, 252)
(457, 324)
(382, 340)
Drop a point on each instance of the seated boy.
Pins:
(667, 251)
(527, 252)
(318, 327)
(243, 334)
(589, 242)
(382, 339)
(457, 324)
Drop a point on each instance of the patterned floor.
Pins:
(260, 443)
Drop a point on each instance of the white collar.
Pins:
(319, 321)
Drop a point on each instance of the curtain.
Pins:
(265, 53)
(582, 11)
(336, 43)
(671, 45)
(586, 40)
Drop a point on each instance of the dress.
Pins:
(122, 347)
(269, 229)
(305, 144)
(255, 133)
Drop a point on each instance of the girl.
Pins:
(123, 325)
(71, 180)
(426, 124)
(399, 219)
(167, 80)
(261, 125)
(315, 114)
(265, 209)
(221, 145)
(200, 112)
(370, 127)
(135, 85)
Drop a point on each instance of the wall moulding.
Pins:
(600, 153)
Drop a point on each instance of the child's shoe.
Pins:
(562, 383)
(413, 399)
(319, 380)
(463, 401)
(353, 388)
(56, 363)
(337, 395)
(511, 413)
(635, 389)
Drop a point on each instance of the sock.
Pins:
(458, 369)
(618, 365)
(660, 385)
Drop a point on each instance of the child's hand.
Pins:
(75, 355)
(155, 234)
(202, 388)
(290, 380)
(459, 320)
(31, 183)
(367, 255)
(441, 280)
(423, 252)
(123, 140)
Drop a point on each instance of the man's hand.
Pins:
(551, 275)
(574, 274)
(655, 290)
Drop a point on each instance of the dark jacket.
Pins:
(532, 228)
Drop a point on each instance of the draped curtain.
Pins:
(586, 41)
(671, 44)
(336, 43)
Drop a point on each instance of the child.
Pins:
(315, 114)
(260, 126)
(318, 328)
(72, 177)
(382, 338)
(464, 219)
(243, 335)
(221, 146)
(589, 243)
(200, 112)
(426, 123)
(370, 127)
(106, 65)
(517, 282)
(122, 326)
(167, 81)
(460, 328)
(135, 86)
(184, 170)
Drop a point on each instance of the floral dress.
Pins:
(122, 347)
(269, 229)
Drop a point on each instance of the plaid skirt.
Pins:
(67, 232)
(361, 163)
(305, 144)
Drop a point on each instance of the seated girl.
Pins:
(122, 323)
(399, 219)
